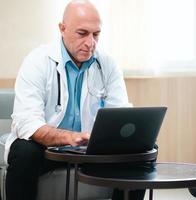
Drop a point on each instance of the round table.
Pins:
(162, 176)
(101, 160)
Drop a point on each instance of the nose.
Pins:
(90, 41)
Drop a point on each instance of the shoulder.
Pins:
(36, 63)
(38, 53)
(103, 56)
(107, 62)
(45, 52)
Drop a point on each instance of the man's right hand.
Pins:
(76, 139)
(50, 136)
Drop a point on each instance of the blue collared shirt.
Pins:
(72, 118)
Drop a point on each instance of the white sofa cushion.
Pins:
(2, 148)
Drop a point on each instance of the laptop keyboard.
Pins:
(69, 149)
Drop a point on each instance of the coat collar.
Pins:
(54, 54)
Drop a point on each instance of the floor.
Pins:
(177, 194)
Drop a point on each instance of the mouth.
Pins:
(86, 51)
(85, 54)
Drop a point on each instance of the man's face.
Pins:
(80, 37)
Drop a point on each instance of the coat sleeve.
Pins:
(28, 113)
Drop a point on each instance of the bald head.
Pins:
(80, 30)
(80, 8)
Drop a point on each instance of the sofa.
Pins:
(51, 185)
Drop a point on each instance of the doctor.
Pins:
(58, 91)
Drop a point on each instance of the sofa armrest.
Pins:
(6, 103)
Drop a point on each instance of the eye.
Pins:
(81, 33)
(96, 34)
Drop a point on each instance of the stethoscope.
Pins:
(100, 94)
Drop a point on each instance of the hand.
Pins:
(77, 139)
(50, 136)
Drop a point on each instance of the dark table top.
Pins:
(83, 158)
(162, 176)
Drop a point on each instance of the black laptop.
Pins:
(122, 131)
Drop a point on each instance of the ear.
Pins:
(62, 28)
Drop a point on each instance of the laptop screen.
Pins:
(125, 130)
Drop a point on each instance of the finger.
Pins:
(86, 136)
(78, 139)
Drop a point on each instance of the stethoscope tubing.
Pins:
(59, 89)
(58, 106)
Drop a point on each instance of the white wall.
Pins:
(23, 26)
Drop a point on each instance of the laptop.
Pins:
(122, 131)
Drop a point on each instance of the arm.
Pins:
(50, 136)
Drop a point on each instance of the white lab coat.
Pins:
(36, 91)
